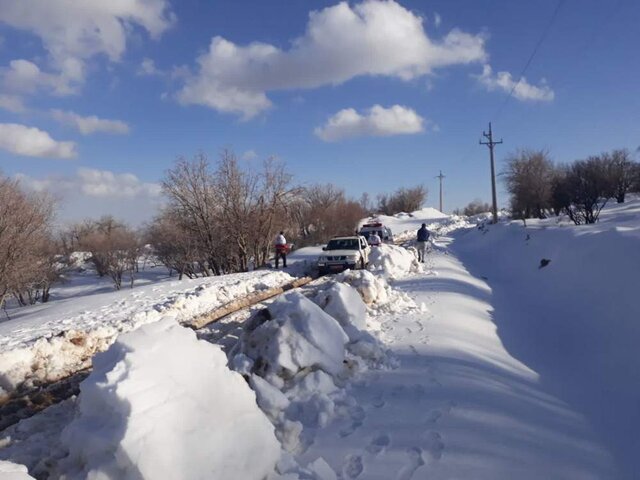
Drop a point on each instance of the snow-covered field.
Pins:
(479, 364)
(48, 341)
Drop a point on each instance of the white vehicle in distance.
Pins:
(376, 227)
(342, 253)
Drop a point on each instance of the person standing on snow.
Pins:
(374, 240)
(281, 249)
(423, 238)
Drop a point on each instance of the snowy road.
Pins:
(458, 406)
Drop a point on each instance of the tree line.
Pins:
(219, 217)
(539, 188)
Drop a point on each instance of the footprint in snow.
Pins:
(378, 401)
(352, 467)
(357, 415)
(433, 417)
(415, 461)
(378, 444)
(433, 446)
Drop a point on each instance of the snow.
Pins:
(12, 471)
(47, 342)
(300, 336)
(162, 404)
(575, 321)
(480, 364)
(343, 303)
(393, 261)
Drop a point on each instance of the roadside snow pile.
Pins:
(162, 404)
(300, 336)
(376, 293)
(63, 345)
(298, 356)
(393, 262)
(13, 471)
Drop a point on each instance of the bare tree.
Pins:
(25, 221)
(528, 176)
(233, 213)
(323, 211)
(622, 169)
(402, 200)
(476, 207)
(174, 246)
(588, 187)
(114, 249)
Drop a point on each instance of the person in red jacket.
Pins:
(281, 249)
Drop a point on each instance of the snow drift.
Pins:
(393, 262)
(573, 317)
(162, 404)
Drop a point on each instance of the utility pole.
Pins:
(490, 143)
(441, 176)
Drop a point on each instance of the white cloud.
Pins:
(148, 68)
(12, 103)
(437, 19)
(89, 125)
(523, 90)
(249, 155)
(94, 183)
(103, 183)
(32, 142)
(341, 42)
(376, 121)
(74, 31)
(92, 193)
(25, 77)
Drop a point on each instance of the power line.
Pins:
(541, 40)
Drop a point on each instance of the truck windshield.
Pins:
(343, 244)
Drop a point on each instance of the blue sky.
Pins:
(371, 96)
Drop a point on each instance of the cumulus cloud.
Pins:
(148, 68)
(94, 183)
(341, 42)
(25, 77)
(12, 103)
(376, 121)
(92, 193)
(91, 124)
(74, 31)
(33, 142)
(523, 90)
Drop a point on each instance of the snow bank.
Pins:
(13, 471)
(392, 261)
(344, 304)
(300, 336)
(64, 339)
(573, 319)
(376, 293)
(162, 404)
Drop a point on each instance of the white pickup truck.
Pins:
(342, 253)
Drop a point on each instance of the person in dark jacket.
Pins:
(423, 238)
